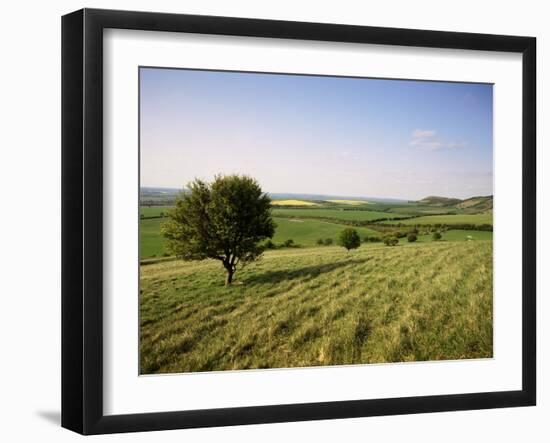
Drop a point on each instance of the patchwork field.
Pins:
(306, 226)
(349, 202)
(293, 203)
(320, 306)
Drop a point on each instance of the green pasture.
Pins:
(306, 232)
(475, 219)
(336, 214)
(153, 211)
(319, 306)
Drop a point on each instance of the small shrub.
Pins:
(328, 241)
(436, 236)
(372, 239)
(288, 243)
(320, 241)
(411, 237)
(270, 245)
(391, 240)
(349, 239)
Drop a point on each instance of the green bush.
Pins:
(436, 236)
(391, 240)
(372, 239)
(270, 245)
(411, 237)
(328, 241)
(349, 239)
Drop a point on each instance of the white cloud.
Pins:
(422, 133)
(428, 140)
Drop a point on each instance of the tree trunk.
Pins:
(229, 277)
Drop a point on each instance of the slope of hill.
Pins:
(316, 307)
(477, 204)
(472, 205)
(434, 200)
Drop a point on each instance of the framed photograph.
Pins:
(268, 221)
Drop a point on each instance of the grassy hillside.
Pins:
(439, 201)
(477, 204)
(456, 235)
(310, 307)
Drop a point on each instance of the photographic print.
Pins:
(303, 220)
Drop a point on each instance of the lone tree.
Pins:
(349, 239)
(223, 220)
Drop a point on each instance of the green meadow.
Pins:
(306, 304)
(325, 221)
(319, 306)
(153, 211)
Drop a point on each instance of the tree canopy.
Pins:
(224, 220)
(349, 239)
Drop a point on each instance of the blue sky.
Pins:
(317, 135)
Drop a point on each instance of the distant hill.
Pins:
(434, 200)
(472, 205)
(477, 204)
(325, 197)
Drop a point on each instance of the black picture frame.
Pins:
(82, 218)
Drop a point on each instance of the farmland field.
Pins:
(302, 232)
(336, 214)
(293, 203)
(475, 219)
(349, 202)
(153, 211)
(306, 232)
(319, 306)
(151, 242)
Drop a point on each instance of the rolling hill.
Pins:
(472, 205)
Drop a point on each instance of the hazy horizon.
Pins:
(337, 136)
(378, 197)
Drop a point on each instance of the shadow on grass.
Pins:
(306, 273)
